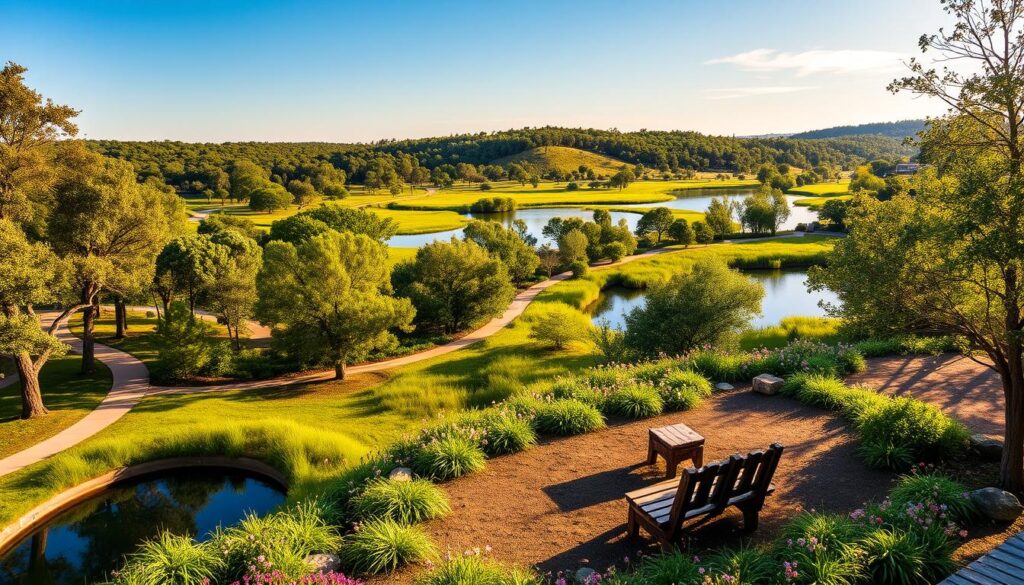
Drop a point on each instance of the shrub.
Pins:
(637, 401)
(576, 389)
(653, 372)
(724, 367)
(567, 417)
(558, 325)
(667, 569)
(615, 251)
(920, 427)
(473, 569)
(448, 458)
(185, 345)
(689, 380)
(746, 564)
(886, 455)
(609, 341)
(893, 556)
(821, 547)
(381, 546)
(406, 502)
(934, 488)
(579, 268)
(505, 433)
(283, 540)
(493, 205)
(172, 559)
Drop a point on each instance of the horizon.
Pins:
(318, 72)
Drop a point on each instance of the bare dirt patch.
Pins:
(560, 504)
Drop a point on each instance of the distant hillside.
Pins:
(901, 129)
(566, 159)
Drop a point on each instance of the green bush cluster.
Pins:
(800, 356)
(493, 205)
(893, 432)
(406, 502)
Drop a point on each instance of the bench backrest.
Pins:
(709, 489)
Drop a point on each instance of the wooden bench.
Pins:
(664, 508)
(676, 443)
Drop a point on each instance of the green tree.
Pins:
(549, 259)
(269, 198)
(951, 258)
(835, 211)
(702, 233)
(572, 247)
(233, 292)
(518, 257)
(719, 218)
(681, 232)
(188, 265)
(303, 193)
(656, 221)
(622, 179)
(708, 306)
(32, 274)
(558, 325)
(246, 177)
(30, 133)
(355, 221)
(220, 222)
(454, 285)
(332, 296)
(184, 343)
(110, 229)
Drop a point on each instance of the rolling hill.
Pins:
(901, 129)
(564, 158)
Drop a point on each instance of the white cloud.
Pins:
(728, 93)
(814, 61)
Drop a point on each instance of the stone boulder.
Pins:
(585, 576)
(997, 504)
(724, 386)
(400, 474)
(324, 563)
(767, 384)
(987, 447)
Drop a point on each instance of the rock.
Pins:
(324, 563)
(583, 574)
(997, 504)
(767, 384)
(723, 386)
(987, 447)
(400, 474)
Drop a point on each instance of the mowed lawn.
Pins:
(68, 395)
(822, 189)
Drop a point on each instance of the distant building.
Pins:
(907, 168)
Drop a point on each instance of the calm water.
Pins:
(536, 219)
(785, 295)
(86, 542)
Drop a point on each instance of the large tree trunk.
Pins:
(88, 342)
(339, 370)
(31, 395)
(1011, 472)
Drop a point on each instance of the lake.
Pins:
(87, 541)
(537, 218)
(785, 295)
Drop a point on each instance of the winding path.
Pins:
(131, 377)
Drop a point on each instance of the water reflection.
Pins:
(85, 543)
(785, 295)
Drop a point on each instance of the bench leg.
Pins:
(632, 526)
(652, 455)
(671, 464)
(698, 457)
(750, 518)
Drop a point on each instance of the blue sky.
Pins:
(361, 71)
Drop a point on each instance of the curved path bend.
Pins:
(131, 377)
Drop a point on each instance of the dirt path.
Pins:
(560, 505)
(959, 386)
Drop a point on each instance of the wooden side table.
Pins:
(676, 443)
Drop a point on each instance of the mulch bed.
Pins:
(560, 505)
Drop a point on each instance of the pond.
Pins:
(86, 542)
(785, 295)
(537, 218)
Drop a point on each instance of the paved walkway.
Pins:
(130, 383)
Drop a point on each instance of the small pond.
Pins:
(86, 542)
(785, 295)
(536, 219)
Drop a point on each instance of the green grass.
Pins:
(824, 329)
(817, 203)
(67, 394)
(366, 412)
(822, 189)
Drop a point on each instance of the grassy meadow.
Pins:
(311, 431)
